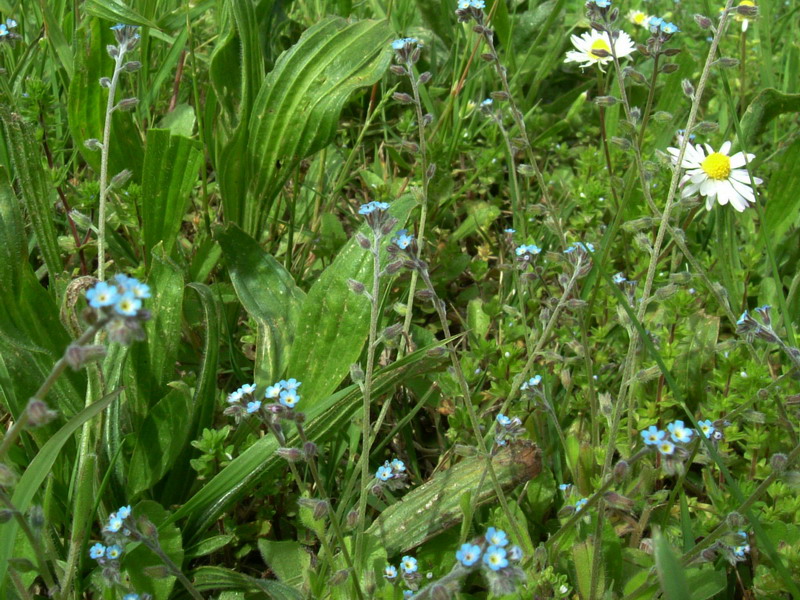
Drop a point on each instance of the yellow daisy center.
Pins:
(747, 3)
(638, 18)
(600, 44)
(717, 166)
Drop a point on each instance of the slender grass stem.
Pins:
(35, 541)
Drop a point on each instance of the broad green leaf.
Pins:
(768, 104)
(269, 295)
(166, 191)
(217, 578)
(13, 241)
(116, 12)
(37, 471)
(481, 216)
(431, 508)
(782, 212)
(670, 571)
(324, 419)
(153, 360)
(296, 112)
(140, 558)
(179, 122)
(209, 545)
(35, 187)
(334, 322)
(288, 560)
(86, 105)
(159, 441)
(582, 555)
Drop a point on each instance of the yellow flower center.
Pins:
(638, 18)
(747, 3)
(600, 44)
(717, 166)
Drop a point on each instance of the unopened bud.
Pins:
(339, 577)
(394, 267)
(427, 119)
(778, 462)
(93, 144)
(620, 142)
(708, 555)
(105, 82)
(662, 116)
(398, 70)
(671, 51)
(412, 147)
(425, 294)
(39, 413)
(290, 454)
(392, 331)
(78, 356)
(735, 520)
(7, 477)
(747, 11)
(500, 95)
(620, 471)
(121, 178)
(6, 515)
(688, 88)
(352, 519)
(669, 68)
(36, 516)
(431, 171)
(403, 98)
(356, 286)
(388, 225)
(127, 104)
(131, 66)
(705, 127)
(309, 449)
(112, 50)
(356, 373)
(488, 56)
(605, 100)
(702, 21)
(726, 62)
(424, 78)
(437, 352)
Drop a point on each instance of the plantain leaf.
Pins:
(13, 241)
(35, 187)
(768, 104)
(782, 212)
(288, 560)
(86, 105)
(323, 420)
(670, 571)
(166, 191)
(335, 322)
(269, 295)
(159, 441)
(434, 506)
(297, 110)
(217, 578)
(117, 12)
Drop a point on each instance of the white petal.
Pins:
(708, 188)
(726, 148)
(737, 160)
(745, 191)
(698, 177)
(740, 175)
(709, 149)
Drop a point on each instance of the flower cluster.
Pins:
(244, 401)
(371, 207)
(116, 534)
(491, 554)
(716, 175)
(127, 36)
(527, 251)
(531, 383)
(119, 307)
(507, 429)
(469, 10)
(391, 475)
(407, 50)
(657, 25)
(5, 30)
(678, 434)
(377, 217)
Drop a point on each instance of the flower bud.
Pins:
(105, 82)
(146, 527)
(36, 516)
(310, 449)
(488, 56)
(78, 357)
(290, 454)
(356, 286)
(669, 68)
(424, 78)
(392, 331)
(39, 413)
(702, 21)
(403, 98)
(93, 144)
(6, 515)
(352, 519)
(112, 50)
(620, 471)
(431, 171)
(7, 477)
(131, 66)
(500, 95)
(356, 373)
(121, 178)
(747, 11)
(398, 70)
(778, 462)
(735, 520)
(605, 100)
(339, 577)
(127, 104)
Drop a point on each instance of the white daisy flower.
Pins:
(594, 47)
(716, 175)
(638, 17)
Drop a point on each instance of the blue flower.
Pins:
(11, 23)
(652, 435)
(531, 383)
(496, 537)
(113, 552)
(139, 289)
(289, 398)
(273, 392)
(510, 230)
(741, 320)
(619, 278)
(128, 305)
(587, 247)
(97, 551)
(390, 572)
(408, 594)
(3, 30)
(114, 523)
(503, 420)
(669, 28)
(602, 3)
(580, 504)
(235, 396)
(118, 27)
(102, 294)
(655, 23)
(527, 249)
(290, 384)
(398, 465)
(248, 388)
(666, 448)
(469, 554)
(371, 207)
(384, 473)
(124, 512)
(408, 564)
(706, 427)
(466, 4)
(130, 597)
(399, 45)
(680, 433)
(564, 486)
(403, 239)
(495, 558)
(253, 406)
(515, 553)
